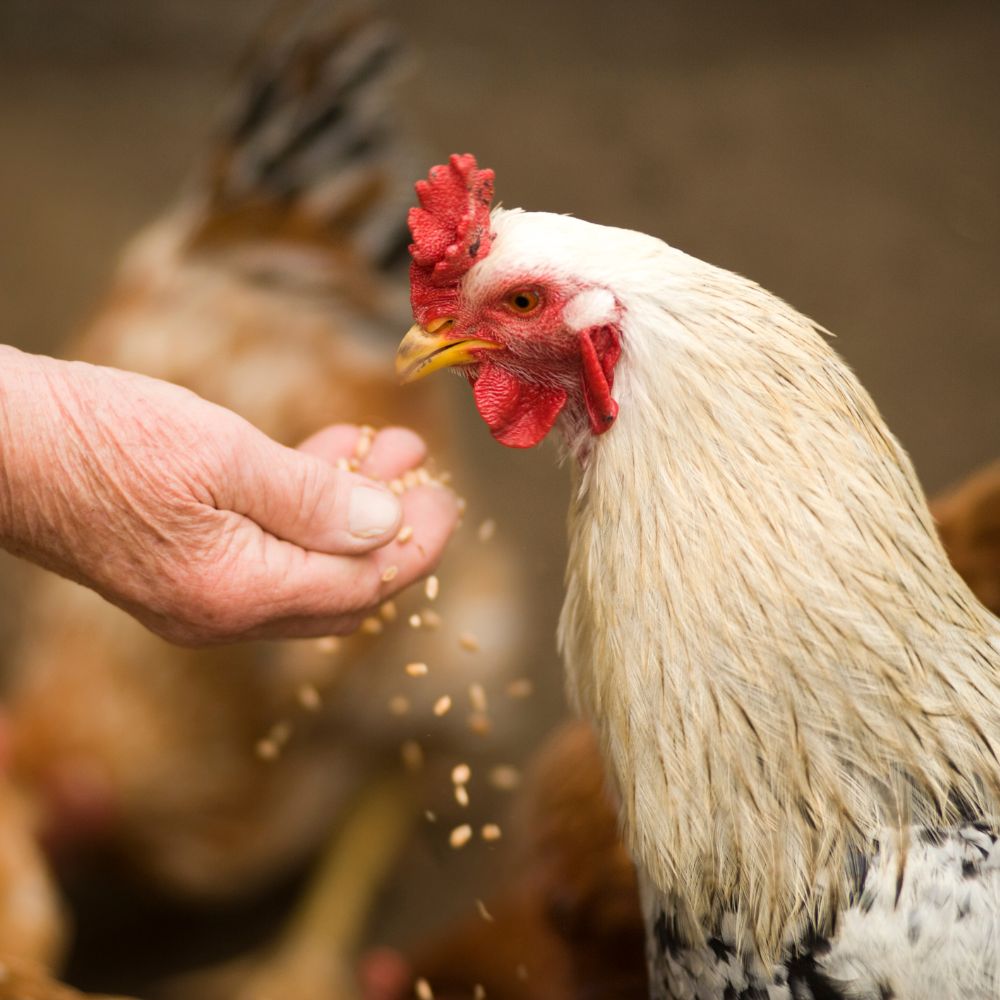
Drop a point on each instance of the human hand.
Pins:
(193, 521)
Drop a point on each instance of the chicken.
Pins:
(794, 692)
(571, 911)
(271, 289)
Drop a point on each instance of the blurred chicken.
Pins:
(968, 518)
(271, 288)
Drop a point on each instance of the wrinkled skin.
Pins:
(186, 516)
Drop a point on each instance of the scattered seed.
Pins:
(479, 723)
(267, 749)
(484, 913)
(309, 698)
(522, 971)
(416, 669)
(430, 816)
(431, 587)
(460, 836)
(409, 479)
(468, 642)
(479, 991)
(412, 755)
(328, 644)
(415, 621)
(353, 464)
(505, 777)
(405, 534)
(430, 618)
(365, 440)
(388, 611)
(460, 774)
(443, 705)
(462, 504)
(423, 990)
(462, 796)
(521, 688)
(280, 732)
(399, 705)
(491, 831)
(477, 697)
(371, 626)
(342, 464)
(486, 530)
(396, 486)
(390, 573)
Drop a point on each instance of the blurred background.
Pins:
(845, 155)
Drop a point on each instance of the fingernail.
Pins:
(372, 512)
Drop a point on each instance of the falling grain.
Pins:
(431, 587)
(477, 697)
(468, 642)
(479, 723)
(267, 749)
(423, 990)
(430, 618)
(505, 777)
(396, 486)
(405, 534)
(483, 912)
(399, 705)
(328, 644)
(388, 611)
(479, 991)
(521, 688)
(390, 573)
(462, 796)
(412, 755)
(443, 705)
(491, 832)
(309, 698)
(416, 669)
(415, 621)
(430, 816)
(460, 836)
(371, 626)
(486, 530)
(460, 774)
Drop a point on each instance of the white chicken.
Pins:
(796, 695)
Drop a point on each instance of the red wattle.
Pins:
(518, 414)
(600, 349)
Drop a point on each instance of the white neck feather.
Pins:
(760, 619)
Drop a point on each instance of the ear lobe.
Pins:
(600, 348)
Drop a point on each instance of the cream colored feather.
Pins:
(759, 618)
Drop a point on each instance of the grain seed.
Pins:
(486, 530)
(423, 990)
(491, 831)
(521, 688)
(405, 534)
(483, 912)
(505, 777)
(460, 774)
(431, 587)
(416, 669)
(309, 698)
(443, 705)
(399, 705)
(390, 573)
(460, 836)
(371, 626)
(412, 755)
(462, 796)
(477, 697)
(468, 642)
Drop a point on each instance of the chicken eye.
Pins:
(523, 301)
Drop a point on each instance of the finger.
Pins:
(302, 594)
(305, 500)
(394, 451)
(387, 455)
(333, 442)
(430, 513)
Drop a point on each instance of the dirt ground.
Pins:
(846, 155)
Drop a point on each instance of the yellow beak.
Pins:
(428, 349)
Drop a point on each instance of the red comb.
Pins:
(451, 231)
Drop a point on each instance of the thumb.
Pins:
(304, 500)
